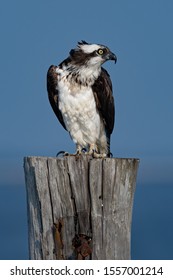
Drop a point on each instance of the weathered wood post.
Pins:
(80, 207)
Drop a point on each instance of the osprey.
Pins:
(80, 93)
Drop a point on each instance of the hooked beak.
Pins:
(111, 56)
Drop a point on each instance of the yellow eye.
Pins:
(100, 51)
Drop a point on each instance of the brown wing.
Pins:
(104, 100)
(53, 93)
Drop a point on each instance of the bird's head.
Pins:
(91, 55)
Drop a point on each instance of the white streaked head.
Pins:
(84, 62)
(89, 48)
(95, 52)
(90, 55)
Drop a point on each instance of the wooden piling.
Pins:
(79, 207)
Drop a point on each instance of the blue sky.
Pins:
(36, 34)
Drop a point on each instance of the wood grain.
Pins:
(75, 198)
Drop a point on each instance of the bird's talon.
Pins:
(111, 155)
(97, 155)
(60, 154)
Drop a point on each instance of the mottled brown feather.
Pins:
(102, 89)
(53, 93)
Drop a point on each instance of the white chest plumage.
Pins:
(78, 108)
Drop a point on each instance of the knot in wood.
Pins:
(81, 244)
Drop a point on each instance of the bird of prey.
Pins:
(80, 93)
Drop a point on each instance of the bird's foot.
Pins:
(93, 151)
(97, 155)
(61, 154)
(104, 155)
(64, 154)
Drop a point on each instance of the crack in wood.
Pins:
(74, 203)
(50, 194)
(57, 233)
